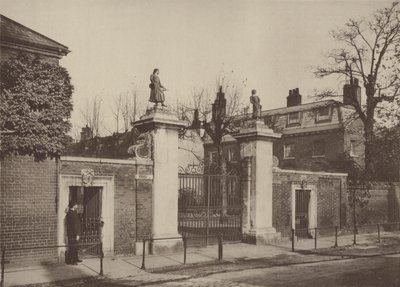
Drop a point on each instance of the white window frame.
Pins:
(213, 156)
(320, 117)
(231, 155)
(292, 122)
(313, 150)
(352, 148)
(285, 153)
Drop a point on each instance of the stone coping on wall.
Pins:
(133, 161)
(276, 169)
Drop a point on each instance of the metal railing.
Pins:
(315, 233)
(4, 250)
(151, 240)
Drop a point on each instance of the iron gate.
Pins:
(209, 204)
(301, 213)
(89, 211)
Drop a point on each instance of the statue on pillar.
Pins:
(156, 89)
(255, 101)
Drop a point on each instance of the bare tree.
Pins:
(117, 110)
(217, 119)
(131, 108)
(91, 115)
(370, 50)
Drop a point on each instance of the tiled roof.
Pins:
(16, 33)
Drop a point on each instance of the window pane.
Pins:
(289, 151)
(323, 111)
(352, 148)
(318, 148)
(294, 117)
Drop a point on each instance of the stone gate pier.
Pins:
(256, 142)
(163, 127)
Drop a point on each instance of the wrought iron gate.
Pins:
(301, 213)
(89, 211)
(209, 204)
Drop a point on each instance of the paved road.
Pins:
(373, 271)
(366, 272)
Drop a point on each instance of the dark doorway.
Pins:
(301, 213)
(89, 211)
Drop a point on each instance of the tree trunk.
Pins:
(369, 130)
(223, 172)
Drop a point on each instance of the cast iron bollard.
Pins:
(100, 232)
(101, 258)
(220, 248)
(355, 235)
(3, 262)
(184, 249)
(336, 230)
(292, 240)
(143, 255)
(315, 237)
(379, 234)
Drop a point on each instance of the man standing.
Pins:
(73, 232)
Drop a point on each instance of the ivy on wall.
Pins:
(35, 103)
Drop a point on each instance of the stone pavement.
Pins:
(129, 267)
(169, 267)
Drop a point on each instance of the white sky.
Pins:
(115, 44)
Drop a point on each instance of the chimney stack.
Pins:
(294, 98)
(86, 133)
(352, 92)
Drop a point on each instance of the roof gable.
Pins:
(12, 32)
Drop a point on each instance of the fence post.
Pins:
(100, 238)
(355, 235)
(336, 231)
(315, 237)
(101, 258)
(144, 254)
(292, 240)
(220, 248)
(3, 262)
(379, 234)
(184, 249)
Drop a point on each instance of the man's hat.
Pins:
(72, 203)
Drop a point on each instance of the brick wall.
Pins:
(28, 214)
(383, 205)
(126, 191)
(28, 205)
(303, 151)
(329, 190)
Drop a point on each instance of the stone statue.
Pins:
(156, 89)
(255, 101)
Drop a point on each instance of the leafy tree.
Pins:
(36, 104)
(369, 50)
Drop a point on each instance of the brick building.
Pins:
(308, 172)
(28, 188)
(35, 194)
(316, 136)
